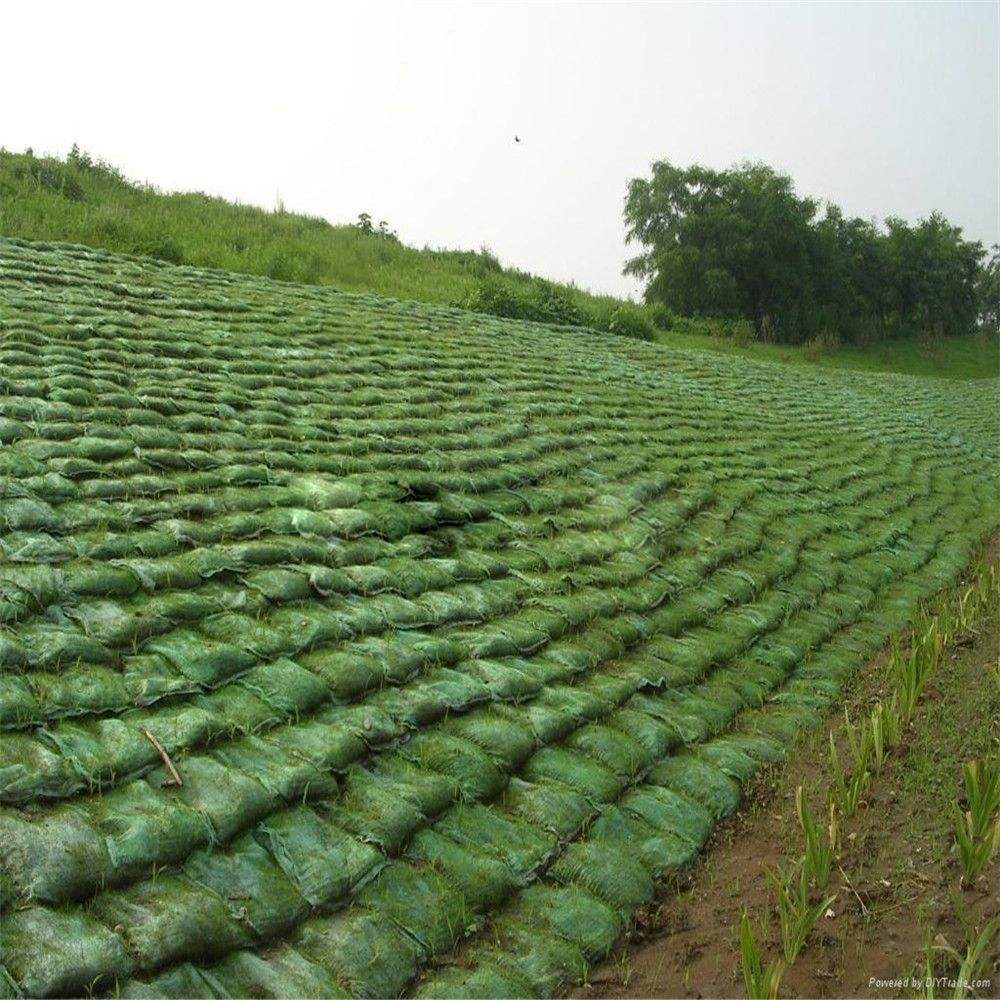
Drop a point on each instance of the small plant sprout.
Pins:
(819, 853)
(833, 826)
(859, 742)
(977, 829)
(796, 915)
(845, 793)
(761, 983)
(976, 952)
(885, 731)
(911, 669)
(969, 966)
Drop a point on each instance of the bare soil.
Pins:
(896, 879)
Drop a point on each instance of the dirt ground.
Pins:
(896, 879)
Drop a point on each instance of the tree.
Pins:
(732, 243)
(741, 244)
(988, 290)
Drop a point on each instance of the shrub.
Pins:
(161, 246)
(742, 333)
(51, 175)
(538, 300)
(662, 316)
(628, 320)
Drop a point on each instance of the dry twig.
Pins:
(175, 778)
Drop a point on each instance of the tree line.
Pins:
(741, 244)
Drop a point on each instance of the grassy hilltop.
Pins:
(78, 200)
(359, 647)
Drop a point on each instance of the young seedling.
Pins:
(845, 793)
(885, 731)
(761, 983)
(978, 948)
(977, 830)
(911, 670)
(982, 789)
(859, 742)
(969, 965)
(796, 916)
(833, 826)
(819, 851)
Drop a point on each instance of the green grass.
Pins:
(81, 202)
(93, 205)
(976, 355)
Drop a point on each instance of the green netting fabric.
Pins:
(459, 633)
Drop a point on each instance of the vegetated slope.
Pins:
(460, 633)
(80, 200)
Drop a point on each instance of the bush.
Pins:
(663, 317)
(51, 175)
(628, 320)
(162, 247)
(539, 301)
(742, 333)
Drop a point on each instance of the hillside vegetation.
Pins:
(357, 647)
(742, 244)
(80, 200)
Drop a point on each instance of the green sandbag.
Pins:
(30, 770)
(520, 846)
(571, 913)
(202, 660)
(545, 962)
(608, 870)
(61, 952)
(622, 755)
(699, 781)
(169, 919)
(56, 858)
(143, 826)
(323, 861)
(430, 791)
(80, 689)
(285, 686)
(183, 982)
(281, 772)
(575, 769)
(477, 775)
(666, 811)
(372, 809)
(482, 880)
(228, 798)
(280, 972)
(255, 889)
(659, 851)
(549, 806)
(509, 743)
(422, 903)
(486, 981)
(370, 955)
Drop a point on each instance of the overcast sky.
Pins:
(409, 111)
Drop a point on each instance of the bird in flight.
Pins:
(517, 138)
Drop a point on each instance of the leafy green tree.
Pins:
(988, 290)
(731, 243)
(741, 244)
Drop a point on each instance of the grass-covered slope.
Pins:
(459, 633)
(80, 200)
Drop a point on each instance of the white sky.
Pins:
(408, 111)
